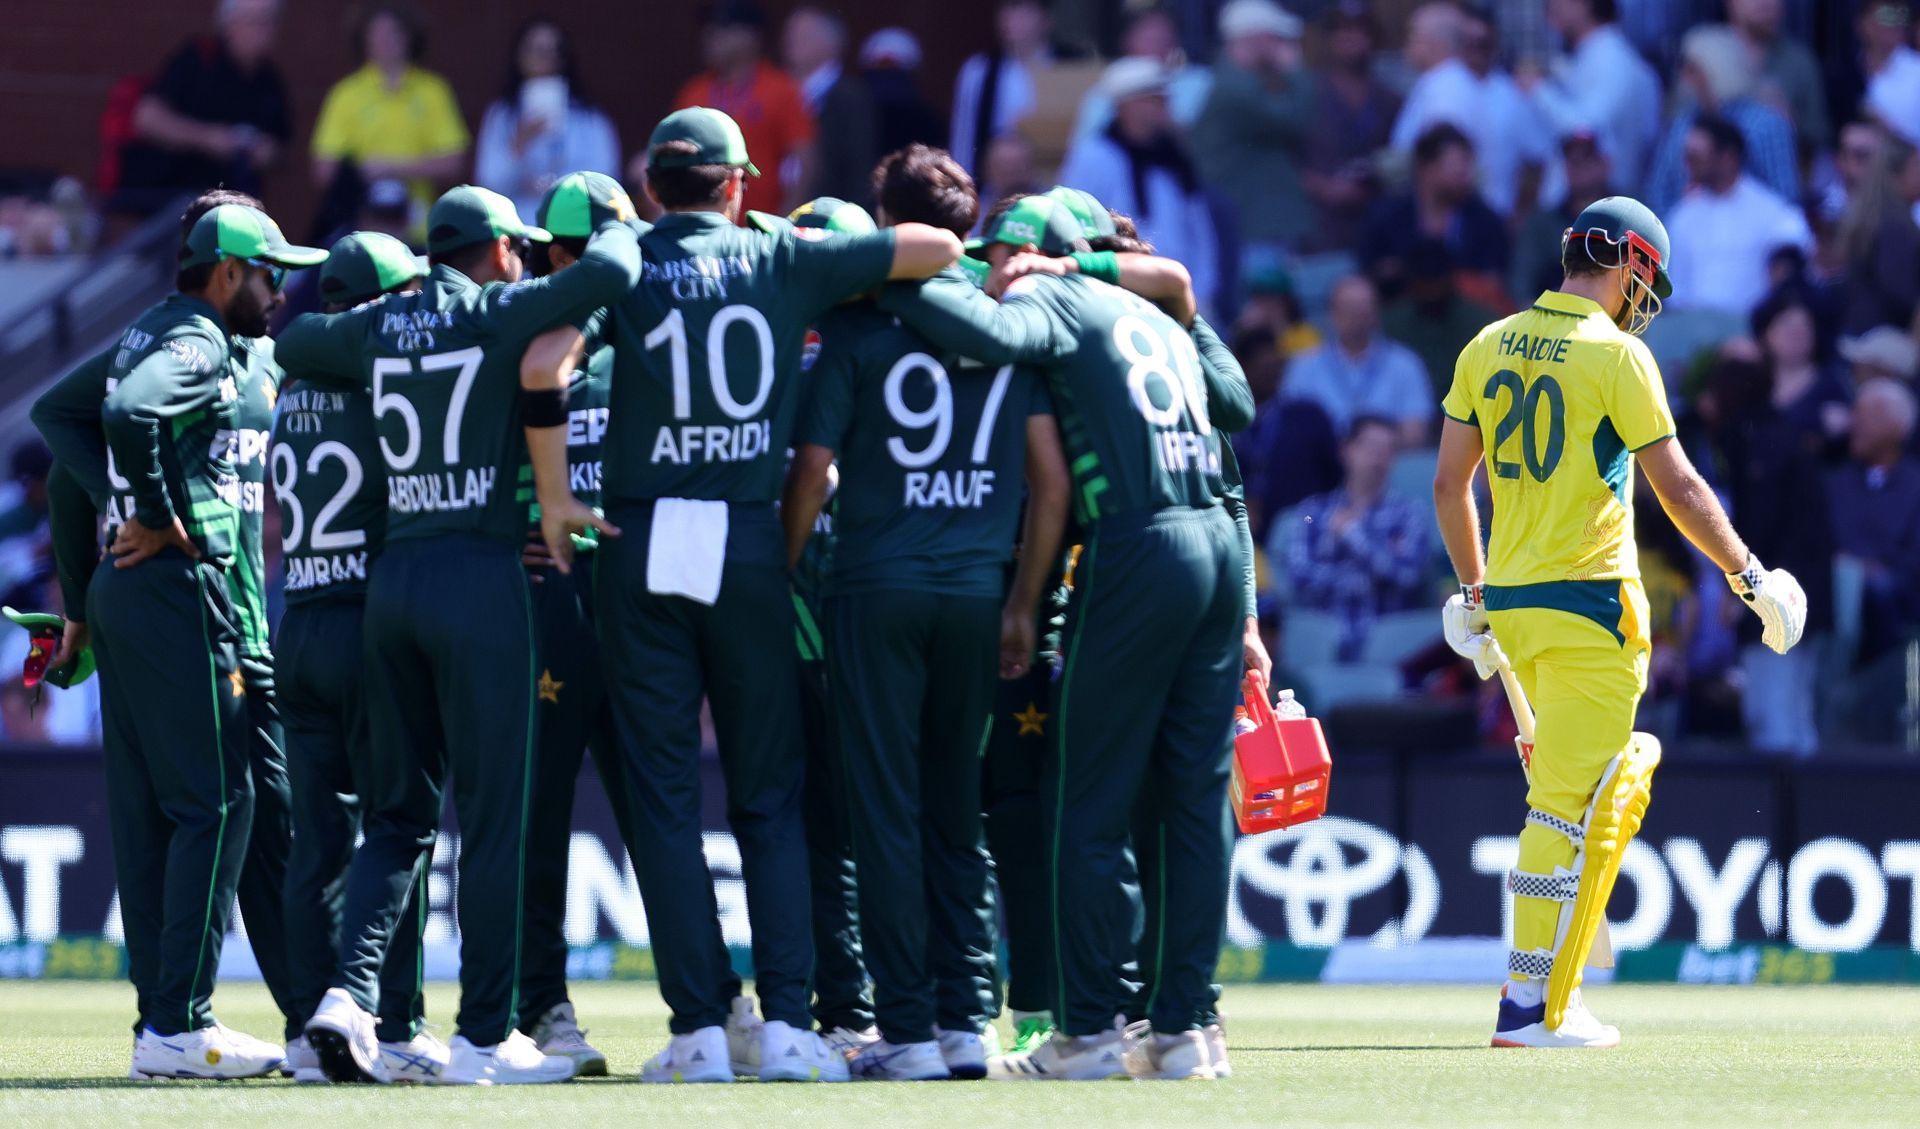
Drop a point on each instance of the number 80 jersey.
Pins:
(1562, 398)
(331, 486)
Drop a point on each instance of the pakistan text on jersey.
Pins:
(584, 478)
(440, 492)
(692, 443)
(956, 489)
(304, 573)
(701, 277)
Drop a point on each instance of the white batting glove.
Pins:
(1776, 597)
(1467, 629)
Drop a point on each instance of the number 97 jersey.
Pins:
(1562, 398)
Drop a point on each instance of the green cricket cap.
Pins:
(976, 270)
(235, 231)
(579, 202)
(70, 673)
(470, 214)
(826, 213)
(1622, 219)
(364, 265)
(1095, 220)
(716, 140)
(1040, 221)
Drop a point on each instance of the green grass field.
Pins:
(1303, 1054)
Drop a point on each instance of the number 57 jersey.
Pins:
(1562, 398)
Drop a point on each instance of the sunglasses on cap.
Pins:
(276, 274)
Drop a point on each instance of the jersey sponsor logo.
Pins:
(440, 492)
(809, 349)
(301, 411)
(253, 497)
(700, 278)
(586, 427)
(948, 489)
(188, 354)
(131, 342)
(692, 443)
(307, 573)
(810, 234)
(411, 331)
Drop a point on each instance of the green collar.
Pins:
(1573, 305)
(672, 220)
(200, 307)
(450, 279)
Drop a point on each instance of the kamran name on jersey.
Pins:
(702, 277)
(1531, 348)
(412, 330)
(956, 489)
(692, 443)
(304, 573)
(440, 492)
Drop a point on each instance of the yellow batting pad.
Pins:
(1619, 806)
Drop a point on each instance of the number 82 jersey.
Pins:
(1562, 398)
(331, 487)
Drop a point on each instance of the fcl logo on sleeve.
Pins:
(809, 350)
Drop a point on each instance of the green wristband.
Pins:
(1103, 265)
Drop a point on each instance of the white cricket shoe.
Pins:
(848, 1041)
(966, 1053)
(513, 1061)
(793, 1054)
(698, 1056)
(421, 1059)
(341, 1034)
(882, 1061)
(558, 1033)
(1520, 1026)
(302, 1064)
(1084, 1058)
(1172, 1057)
(743, 1037)
(1216, 1034)
(211, 1052)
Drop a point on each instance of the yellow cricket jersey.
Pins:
(1562, 397)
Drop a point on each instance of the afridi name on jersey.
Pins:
(1562, 399)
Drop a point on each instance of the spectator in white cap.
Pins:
(1151, 33)
(889, 60)
(1727, 226)
(1718, 70)
(1458, 83)
(1603, 84)
(1138, 166)
(1881, 353)
(1251, 138)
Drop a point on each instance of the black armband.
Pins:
(547, 408)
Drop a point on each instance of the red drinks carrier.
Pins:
(1280, 766)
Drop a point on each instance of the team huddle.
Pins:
(948, 538)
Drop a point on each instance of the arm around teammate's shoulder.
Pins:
(920, 250)
(322, 348)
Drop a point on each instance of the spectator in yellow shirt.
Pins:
(392, 118)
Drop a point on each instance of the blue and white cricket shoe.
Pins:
(421, 1059)
(1523, 1026)
(211, 1052)
(900, 1062)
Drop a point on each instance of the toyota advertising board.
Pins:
(1745, 872)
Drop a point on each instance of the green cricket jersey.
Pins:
(1233, 495)
(259, 380)
(443, 366)
(703, 402)
(588, 388)
(151, 432)
(1126, 380)
(932, 453)
(68, 417)
(331, 486)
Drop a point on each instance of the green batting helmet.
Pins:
(1624, 222)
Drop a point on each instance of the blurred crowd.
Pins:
(1356, 188)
